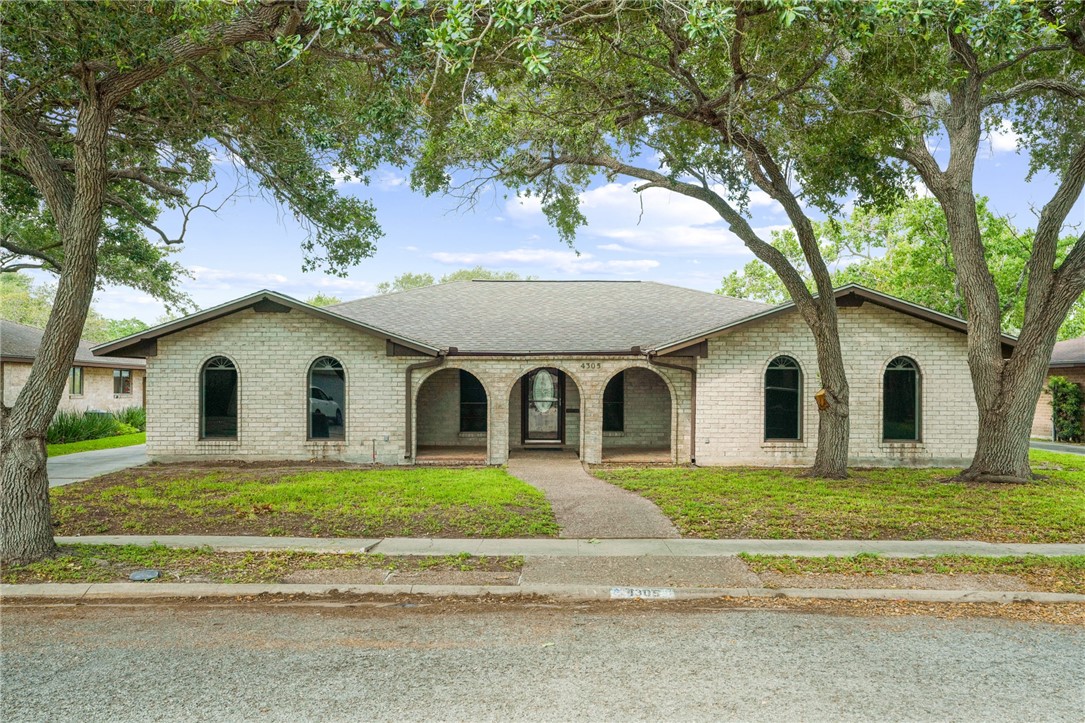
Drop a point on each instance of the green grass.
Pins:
(907, 504)
(121, 440)
(113, 563)
(1054, 574)
(418, 502)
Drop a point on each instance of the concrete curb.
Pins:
(557, 547)
(128, 590)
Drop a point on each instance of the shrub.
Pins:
(80, 426)
(1068, 406)
(133, 416)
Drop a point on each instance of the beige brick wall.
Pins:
(1041, 423)
(97, 389)
(730, 399)
(273, 352)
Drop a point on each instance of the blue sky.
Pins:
(251, 244)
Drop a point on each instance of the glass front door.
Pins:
(543, 407)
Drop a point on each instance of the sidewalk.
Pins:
(550, 547)
(582, 570)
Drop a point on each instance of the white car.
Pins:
(321, 403)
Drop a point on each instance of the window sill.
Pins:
(901, 444)
(472, 435)
(783, 444)
(613, 434)
(75, 396)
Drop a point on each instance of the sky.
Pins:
(251, 244)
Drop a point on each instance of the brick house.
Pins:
(1067, 360)
(108, 384)
(612, 370)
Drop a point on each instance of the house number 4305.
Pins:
(591, 365)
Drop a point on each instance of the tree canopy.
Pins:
(905, 252)
(24, 302)
(411, 280)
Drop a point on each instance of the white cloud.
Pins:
(520, 208)
(919, 189)
(540, 259)
(208, 278)
(1003, 138)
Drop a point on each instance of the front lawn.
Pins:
(905, 504)
(300, 501)
(114, 563)
(121, 440)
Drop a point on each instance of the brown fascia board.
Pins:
(118, 364)
(858, 295)
(139, 343)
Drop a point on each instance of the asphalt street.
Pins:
(541, 663)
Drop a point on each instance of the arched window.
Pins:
(783, 399)
(327, 399)
(900, 400)
(218, 399)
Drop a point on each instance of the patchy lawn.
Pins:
(121, 440)
(114, 563)
(905, 504)
(273, 500)
(1053, 574)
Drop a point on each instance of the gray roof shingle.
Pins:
(548, 316)
(19, 342)
(1069, 353)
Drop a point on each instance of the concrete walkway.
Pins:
(1059, 447)
(590, 548)
(77, 467)
(586, 507)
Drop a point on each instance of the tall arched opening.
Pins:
(638, 419)
(451, 418)
(544, 412)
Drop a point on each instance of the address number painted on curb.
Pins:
(644, 593)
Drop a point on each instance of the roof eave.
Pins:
(875, 297)
(132, 342)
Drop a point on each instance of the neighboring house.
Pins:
(621, 370)
(1067, 360)
(94, 382)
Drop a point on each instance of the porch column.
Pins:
(591, 424)
(497, 438)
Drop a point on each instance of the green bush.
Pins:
(133, 416)
(1068, 406)
(80, 426)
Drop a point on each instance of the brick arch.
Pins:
(417, 416)
(520, 373)
(672, 399)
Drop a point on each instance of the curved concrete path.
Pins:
(77, 467)
(584, 506)
(1059, 447)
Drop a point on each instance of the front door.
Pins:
(543, 405)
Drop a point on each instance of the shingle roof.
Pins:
(20, 342)
(548, 316)
(1069, 353)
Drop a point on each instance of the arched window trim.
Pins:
(326, 363)
(219, 362)
(782, 361)
(897, 365)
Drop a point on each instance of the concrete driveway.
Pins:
(1059, 447)
(83, 465)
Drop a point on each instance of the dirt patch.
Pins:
(353, 605)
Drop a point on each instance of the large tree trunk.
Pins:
(834, 425)
(25, 524)
(1006, 392)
